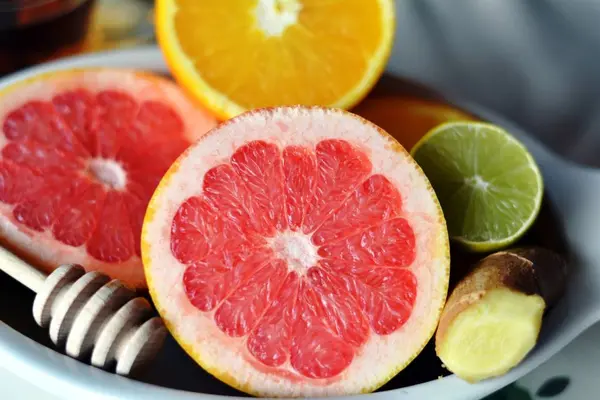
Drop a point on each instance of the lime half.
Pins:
(488, 184)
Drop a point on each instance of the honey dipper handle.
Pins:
(21, 271)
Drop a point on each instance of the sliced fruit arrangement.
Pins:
(494, 315)
(489, 186)
(297, 252)
(406, 118)
(491, 191)
(81, 152)
(239, 55)
(292, 251)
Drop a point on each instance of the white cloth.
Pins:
(535, 61)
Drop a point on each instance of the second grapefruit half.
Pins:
(297, 252)
(81, 152)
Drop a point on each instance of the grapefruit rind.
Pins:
(223, 107)
(49, 253)
(197, 335)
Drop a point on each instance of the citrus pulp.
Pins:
(489, 186)
(81, 152)
(239, 55)
(297, 252)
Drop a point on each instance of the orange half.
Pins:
(238, 55)
(408, 119)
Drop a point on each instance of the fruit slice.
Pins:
(408, 119)
(241, 55)
(297, 252)
(81, 152)
(489, 186)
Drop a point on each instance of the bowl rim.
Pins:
(39, 365)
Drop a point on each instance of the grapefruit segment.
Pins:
(81, 154)
(305, 253)
(388, 296)
(245, 305)
(338, 309)
(259, 166)
(17, 183)
(115, 112)
(78, 110)
(75, 225)
(316, 351)
(205, 285)
(37, 156)
(193, 228)
(113, 238)
(39, 121)
(227, 194)
(375, 200)
(40, 210)
(300, 171)
(391, 243)
(270, 341)
(340, 168)
(154, 116)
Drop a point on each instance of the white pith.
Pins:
(381, 356)
(478, 182)
(275, 16)
(296, 249)
(40, 248)
(108, 172)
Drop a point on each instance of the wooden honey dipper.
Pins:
(95, 319)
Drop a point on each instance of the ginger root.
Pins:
(493, 316)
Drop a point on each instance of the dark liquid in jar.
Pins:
(34, 31)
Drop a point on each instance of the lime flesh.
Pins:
(489, 186)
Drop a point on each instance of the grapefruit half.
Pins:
(81, 152)
(297, 252)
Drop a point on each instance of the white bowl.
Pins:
(174, 376)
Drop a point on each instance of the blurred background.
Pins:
(536, 62)
(34, 31)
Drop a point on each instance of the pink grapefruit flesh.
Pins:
(81, 153)
(297, 252)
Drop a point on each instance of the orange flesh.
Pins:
(329, 54)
